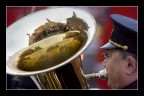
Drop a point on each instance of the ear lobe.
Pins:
(131, 65)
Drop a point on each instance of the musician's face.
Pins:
(115, 66)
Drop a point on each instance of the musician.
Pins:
(121, 53)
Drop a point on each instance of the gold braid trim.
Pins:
(118, 45)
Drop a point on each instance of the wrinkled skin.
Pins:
(121, 71)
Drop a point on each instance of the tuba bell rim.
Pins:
(80, 13)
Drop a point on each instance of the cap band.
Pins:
(118, 45)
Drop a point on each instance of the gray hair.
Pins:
(124, 54)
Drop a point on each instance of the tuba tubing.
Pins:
(69, 76)
(72, 79)
(102, 74)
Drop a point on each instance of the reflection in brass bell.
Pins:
(42, 58)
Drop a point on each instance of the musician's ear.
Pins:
(131, 65)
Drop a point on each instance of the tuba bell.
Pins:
(64, 68)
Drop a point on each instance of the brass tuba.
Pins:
(67, 74)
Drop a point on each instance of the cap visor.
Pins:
(108, 46)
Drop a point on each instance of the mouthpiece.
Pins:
(101, 74)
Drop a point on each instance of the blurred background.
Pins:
(92, 57)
